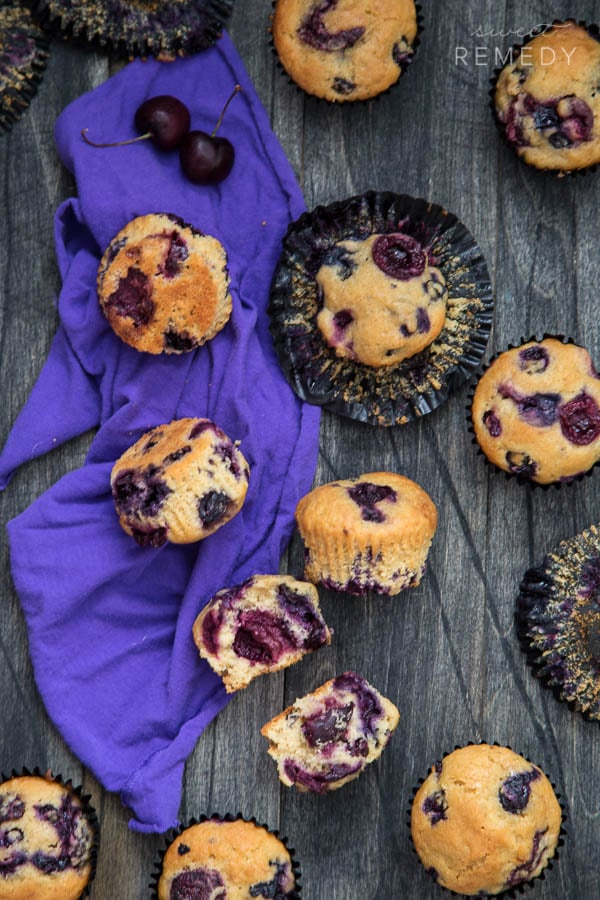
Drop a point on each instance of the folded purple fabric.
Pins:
(109, 622)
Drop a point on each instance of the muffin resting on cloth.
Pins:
(164, 286)
(263, 625)
(48, 839)
(343, 50)
(370, 533)
(382, 300)
(547, 99)
(536, 411)
(221, 858)
(179, 482)
(485, 820)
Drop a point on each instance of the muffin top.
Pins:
(163, 286)
(382, 300)
(46, 840)
(548, 99)
(344, 50)
(485, 820)
(536, 411)
(218, 858)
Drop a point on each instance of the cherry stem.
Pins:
(235, 91)
(141, 137)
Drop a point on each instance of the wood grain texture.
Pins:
(445, 652)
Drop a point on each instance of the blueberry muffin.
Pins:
(382, 301)
(179, 482)
(547, 99)
(328, 737)
(536, 411)
(343, 50)
(558, 621)
(164, 286)
(220, 858)
(485, 820)
(48, 839)
(263, 625)
(23, 58)
(370, 533)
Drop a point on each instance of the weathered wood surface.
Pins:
(445, 652)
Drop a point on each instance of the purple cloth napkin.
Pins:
(109, 622)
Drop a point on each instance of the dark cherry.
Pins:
(198, 884)
(399, 256)
(206, 158)
(164, 120)
(580, 420)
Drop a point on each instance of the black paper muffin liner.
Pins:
(392, 395)
(524, 886)
(23, 58)
(404, 66)
(128, 28)
(88, 810)
(174, 833)
(557, 619)
(594, 31)
(520, 479)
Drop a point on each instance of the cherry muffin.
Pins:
(345, 50)
(164, 286)
(536, 411)
(327, 738)
(265, 624)
(547, 99)
(48, 839)
(370, 533)
(485, 820)
(179, 482)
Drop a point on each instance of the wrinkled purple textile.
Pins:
(109, 622)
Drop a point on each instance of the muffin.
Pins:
(558, 621)
(345, 50)
(179, 482)
(370, 533)
(23, 58)
(226, 857)
(380, 307)
(327, 738)
(536, 411)
(49, 839)
(547, 99)
(164, 286)
(263, 625)
(485, 820)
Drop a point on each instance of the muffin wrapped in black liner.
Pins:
(23, 58)
(129, 28)
(202, 879)
(558, 621)
(386, 395)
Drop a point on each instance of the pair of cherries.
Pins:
(165, 120)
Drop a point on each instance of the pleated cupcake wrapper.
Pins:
(539, 586)
(174, 833)
(594, 31)
(392, 395)
(20, 83)
(88, 811)
(341, 102)
(524, 886)
(101, 25)
(533, 485)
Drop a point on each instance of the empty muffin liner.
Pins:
(174, 833)
(348, 102)
(23, 58)
(407, 391)
(557, 620)
(524, 886)
(594, 31)
(520, 479)
(88, 810)
(128, 28)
